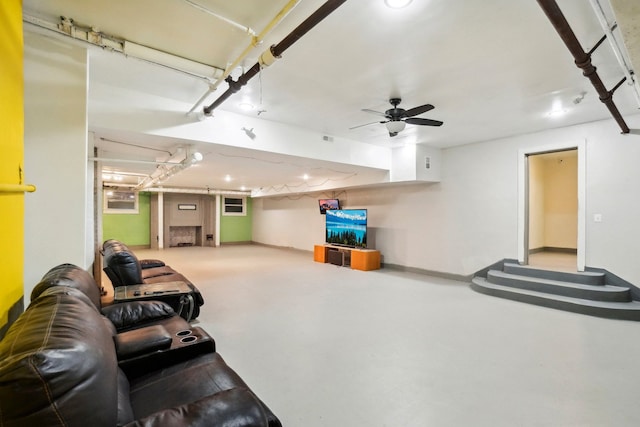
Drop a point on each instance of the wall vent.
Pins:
(427, 162)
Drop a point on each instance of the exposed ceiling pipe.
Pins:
(201, 8)
(91, 37)
(275, 52)
(582, 58)
(255, 41)
(198, 191)
(618, 48)
(141, 162)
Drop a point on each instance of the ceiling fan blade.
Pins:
(366, 124)
(419, 110)
(366, 110)
(423, 122)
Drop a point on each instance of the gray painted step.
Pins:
(558, 287)
(611, 310)
(586, 277)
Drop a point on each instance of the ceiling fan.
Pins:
(397, 118)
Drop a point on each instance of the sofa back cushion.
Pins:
(58, 364)
(120, 264)
(72, 276)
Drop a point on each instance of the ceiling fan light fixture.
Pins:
(395, 126)
(397, 4)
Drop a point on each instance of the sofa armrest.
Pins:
(237, 407)
(142, 341)
(134, 313)
(151, 263)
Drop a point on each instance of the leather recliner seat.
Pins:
(59, 367)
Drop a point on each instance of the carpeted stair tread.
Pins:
(584, 277)
(615, 310)
(560, 287)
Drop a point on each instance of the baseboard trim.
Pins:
(14, 312)
(244, 242)
(397, 267)
(450, 276)
(571, 251)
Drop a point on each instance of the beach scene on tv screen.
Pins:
(347, 227)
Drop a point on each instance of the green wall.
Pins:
(133, 229)
(130, 229)
(237, 228)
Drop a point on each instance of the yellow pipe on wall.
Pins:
(17, 188)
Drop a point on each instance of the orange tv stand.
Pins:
(358, 259)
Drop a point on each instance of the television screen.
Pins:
(347, 227)
(328, 204)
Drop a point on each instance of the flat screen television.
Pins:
(328, 204)
(347, 227)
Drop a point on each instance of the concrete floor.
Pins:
(328, 346)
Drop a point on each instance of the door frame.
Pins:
(523, 197)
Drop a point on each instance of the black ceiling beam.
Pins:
(276, 50)
(582, 58)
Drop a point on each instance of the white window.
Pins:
(234, 206)
(118, 201)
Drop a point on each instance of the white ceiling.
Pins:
(491, 68)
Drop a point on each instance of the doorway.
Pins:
(551, 207)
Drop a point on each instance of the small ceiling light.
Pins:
(243, 188)
(227, 178)
(245, 106)
(305, 177)
(196, 157)
(397, 4)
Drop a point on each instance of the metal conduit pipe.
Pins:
(582, 58)
(201, 8)
(141, 162)
(615, 46)
(276, 51)
(254, 42)
(87, 37)
(198, 191)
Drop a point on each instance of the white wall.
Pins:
(59, 215)
(469, 219)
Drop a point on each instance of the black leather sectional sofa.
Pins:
(67, 361)
(124, 268)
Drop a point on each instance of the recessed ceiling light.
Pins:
(557, 113)
(245, 106)
(305, 177)
(227, 178)
(397, 4)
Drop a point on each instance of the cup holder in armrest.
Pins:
(185, 345)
